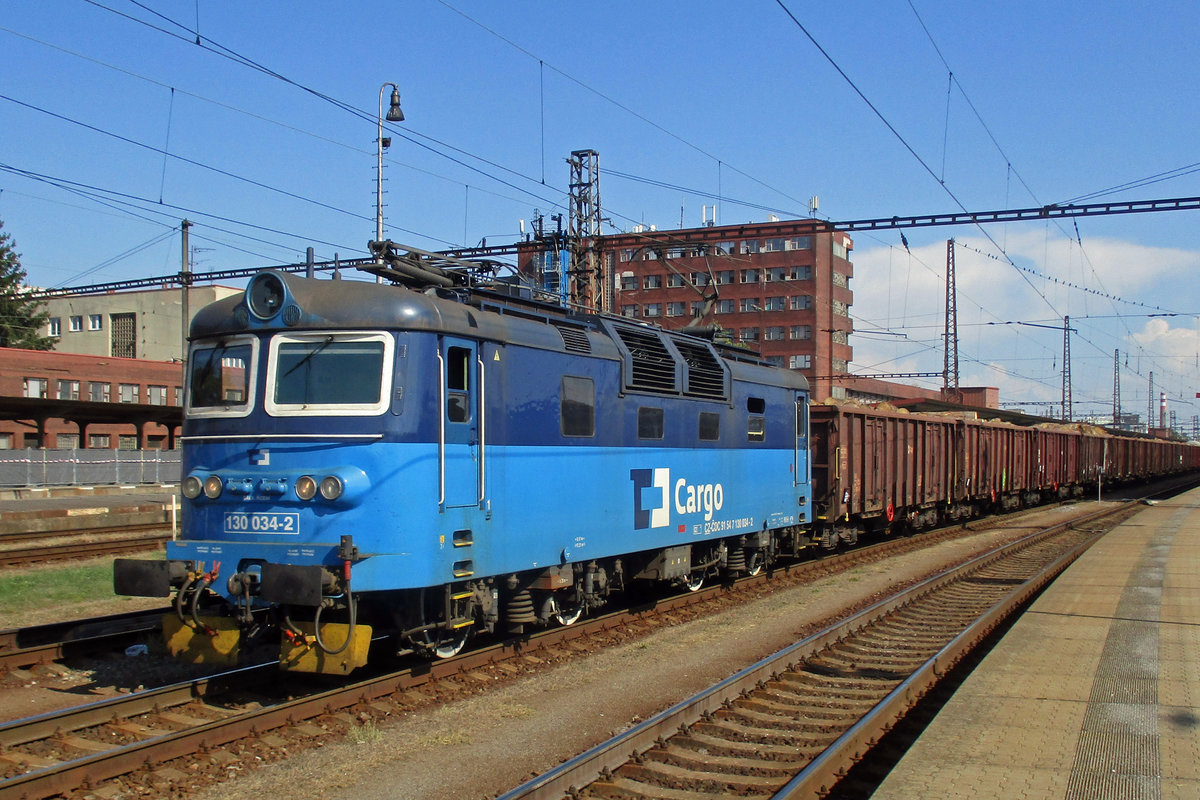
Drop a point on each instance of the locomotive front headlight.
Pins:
(192, 487)
(265, 295)
(332, 487)
(306, 487)
(213, 487)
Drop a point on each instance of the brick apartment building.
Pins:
(78, 399)
(781, 292)
(777, 288)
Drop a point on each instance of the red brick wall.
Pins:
(18, 366)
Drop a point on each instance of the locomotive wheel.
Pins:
(568, 614)
(447, 644)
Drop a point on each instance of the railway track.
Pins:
(793, 724)
(20, 549)
(44, 644)
(57, 752)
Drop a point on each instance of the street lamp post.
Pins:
(394, 114)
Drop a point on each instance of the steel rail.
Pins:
(605, 758)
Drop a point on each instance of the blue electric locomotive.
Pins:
(364, 459)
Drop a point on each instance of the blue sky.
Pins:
(729, 104)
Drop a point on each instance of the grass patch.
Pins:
(30, 595)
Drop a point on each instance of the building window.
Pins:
(839, 250)
(728, 248)
(124, 338)
(700, 278)
(99, 441)
(95, 322)
(780, 273)
(802, 302)
(55, 326)
(773, 333)
(748, 334)
(725, 276)
(775, 303)
(67, 441)
(627, 255)
(127, 443)
(775, 361)
(652, 282)
(75, 323)
(697, 308)
(178, 395)
(774, 246)
(800, 362)
(800, 332)
(652, 310)
(800, 243)
(804, 273)
(839, 279)
(725, 307)
(36, 387)
(749, 276)
(751, 246)
(68, 390)
(98, 392)
(156, 395)
(629, 311)
(675, 280)
(747, 304)
(628, 282)
(127, 393)
(676, 309)
(841, 308)
(6, 441)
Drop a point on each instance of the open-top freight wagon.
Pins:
(874, 468)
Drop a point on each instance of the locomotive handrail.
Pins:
(441, 428)
(481, 403)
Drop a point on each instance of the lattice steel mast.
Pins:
(950, 362)
(590, 286)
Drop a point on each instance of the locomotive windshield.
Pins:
(219, 379)
(329, 373)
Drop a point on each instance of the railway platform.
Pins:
(1094, 693)
(82, 507)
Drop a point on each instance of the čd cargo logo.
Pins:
(654, 494)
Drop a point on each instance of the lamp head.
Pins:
(394, 113)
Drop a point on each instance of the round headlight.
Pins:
(306, 487)
(192, 487)
(332, 487)
(265, 296)
(213, 487)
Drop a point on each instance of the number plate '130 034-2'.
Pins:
(282, 522)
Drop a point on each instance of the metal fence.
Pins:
(81, 467)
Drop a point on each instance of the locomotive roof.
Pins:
(359, 305)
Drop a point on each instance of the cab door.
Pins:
(460, 449)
